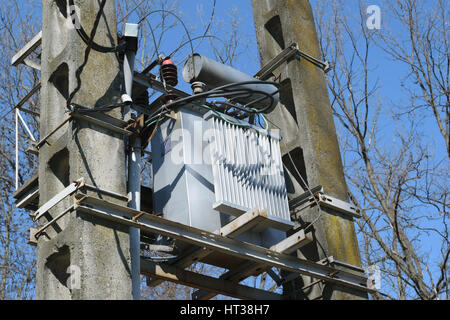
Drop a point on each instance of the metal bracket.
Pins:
(27, 50)
(286, 54)
(290, 52)
(172, 115)
(59, 216)
(294, 203)
(72, 188)
(324, 65)
(32, 237)
(307, 200)
(152, 224)
(104, 121)
(338, 205)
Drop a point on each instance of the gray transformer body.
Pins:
(189, 189)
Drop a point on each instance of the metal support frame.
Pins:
(23, 53)
(106, 192)
(71, 189)
(50, 223)
(338, 205)
(304, 197)
(27, 97)
(196, 280)
(151, 224)
(288, 245)
(259, 259)
(149, 81)
(32, 195)
(100, 120)
(282, 57)
(274, 276)
(27, 129)
(290, 52)
(44, 140)
(32, 237)
(308, 199)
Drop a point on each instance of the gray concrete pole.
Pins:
(309, 137)
(81, 257)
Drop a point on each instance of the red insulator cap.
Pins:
(167, 61)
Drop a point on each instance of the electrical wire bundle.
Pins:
(85, 37)
(230, 92)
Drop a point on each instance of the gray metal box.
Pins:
(188, 187)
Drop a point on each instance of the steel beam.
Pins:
(152, 224)
(58, 198)
(31, 195)
(196, 280)
(288, 245)
(20, 56)
(282, 57)
(293, 242)
(95, 119)
(28, 96)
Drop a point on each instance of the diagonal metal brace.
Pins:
(72, 188)
(290, 52)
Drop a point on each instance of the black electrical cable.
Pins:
(205, 35)
(84, 36)
(209, 24)
(227, 91)
(176, 17)
(87, 52)
(130, 12)
(193, 39)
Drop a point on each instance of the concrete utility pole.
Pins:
(81, 257)
(309, 136)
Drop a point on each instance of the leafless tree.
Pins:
(421, 42)
(394, 174)
(17, 259)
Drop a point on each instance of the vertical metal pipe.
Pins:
(134, 194)
(134, 179)
(17, 148)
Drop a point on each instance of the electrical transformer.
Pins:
(209, 168)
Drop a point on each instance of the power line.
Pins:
(176, 17)
(209, 24)
(90, 40)
(87, 52)
(129, 13)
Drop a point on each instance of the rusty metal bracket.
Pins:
(44, 140)
(62, 214)
(291, 52)
(136, 125)
(136, 217)
(72, 188)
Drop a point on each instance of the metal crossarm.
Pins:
(290, 52)
(152, 224)
(27, 50)
(58, 198)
